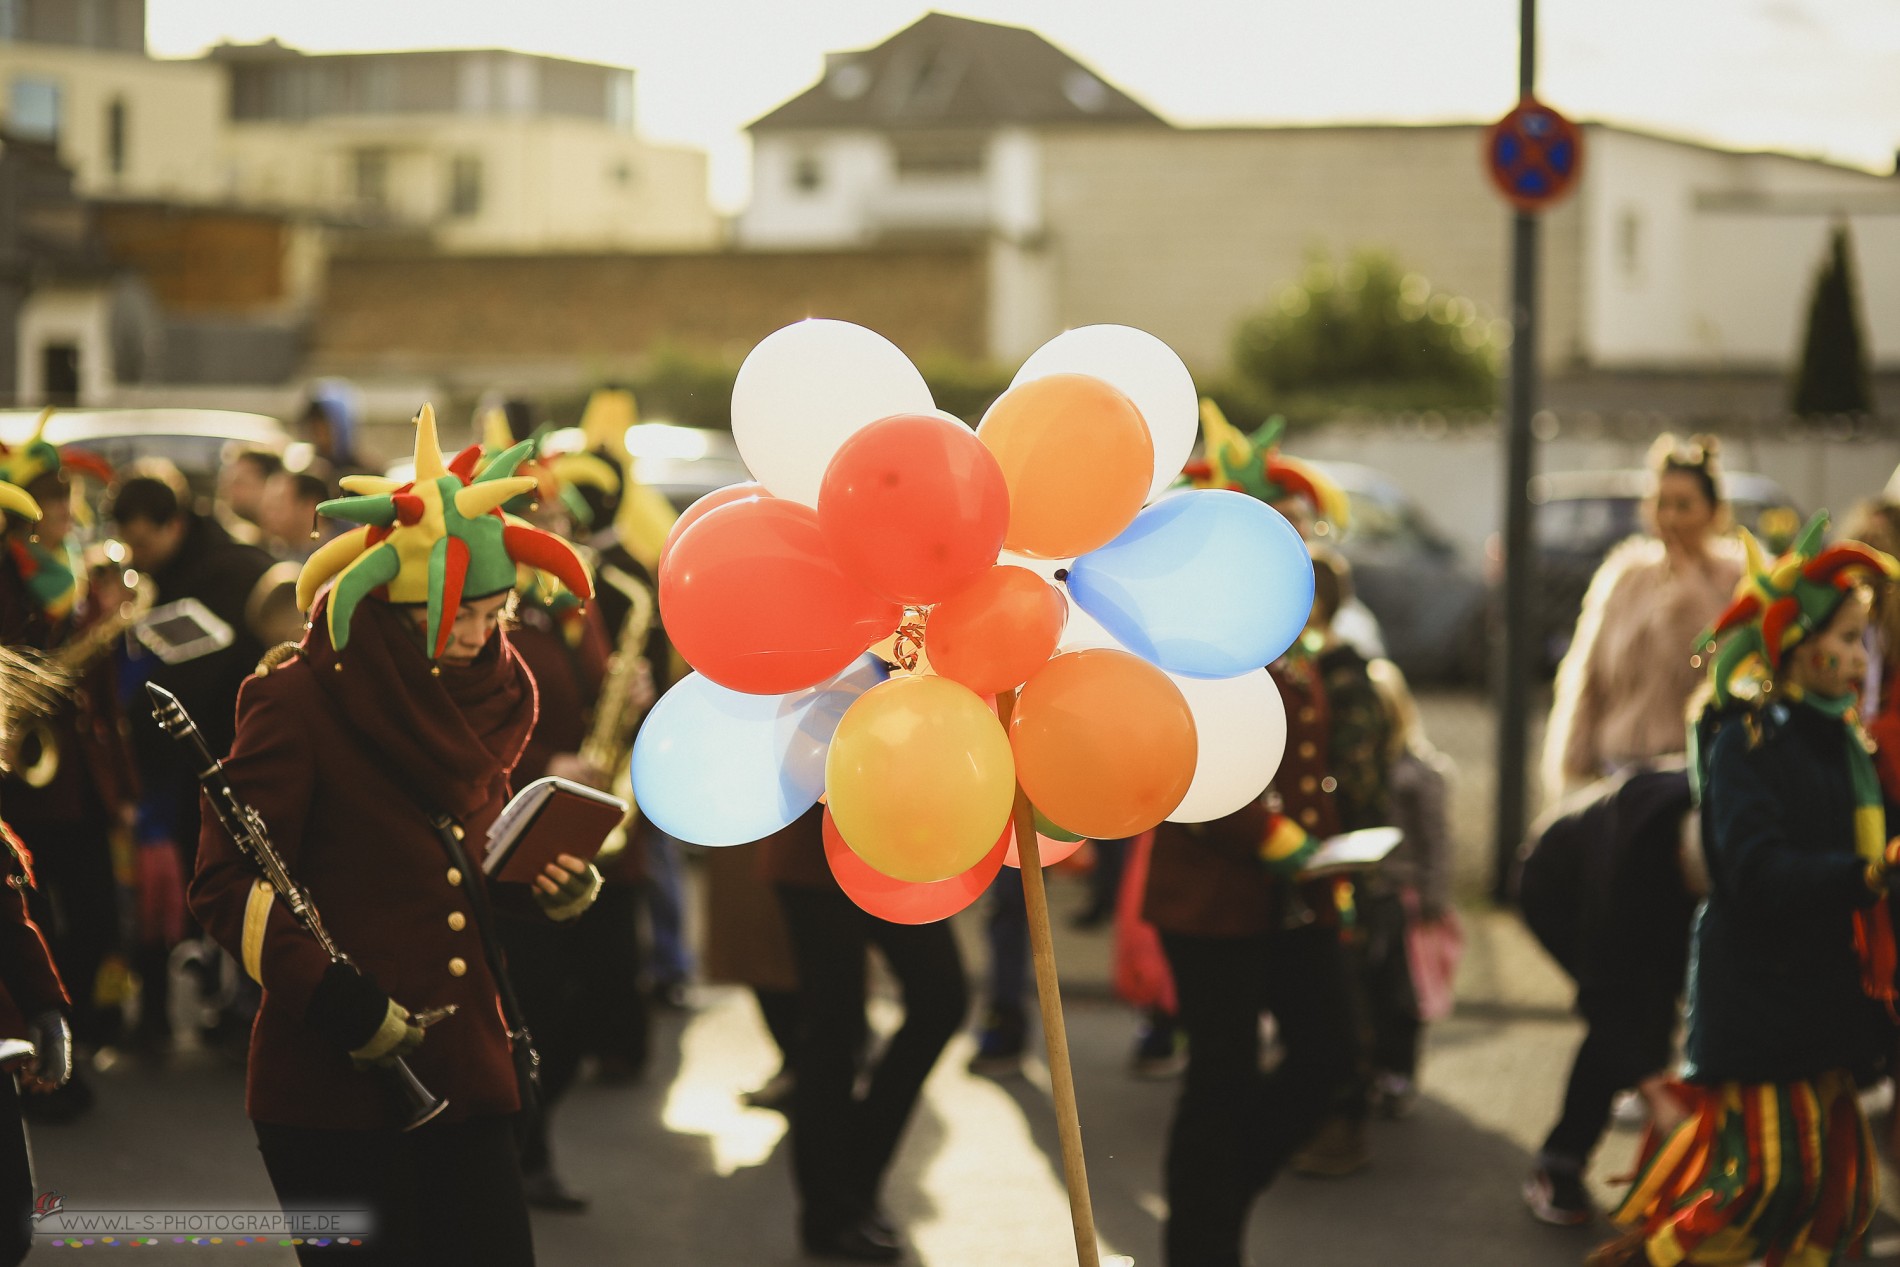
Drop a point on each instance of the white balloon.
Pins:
(806, 389)
(1241, 726)
(1146, 370)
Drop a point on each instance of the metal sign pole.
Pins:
(1513, 698)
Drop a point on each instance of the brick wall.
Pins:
(439, 314)
(200, 261)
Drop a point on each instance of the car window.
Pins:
(1585, 523)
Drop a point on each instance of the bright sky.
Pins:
(1810, 76)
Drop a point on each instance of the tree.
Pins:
(1367, 332)
(1833, 376)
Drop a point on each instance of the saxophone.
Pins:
(70, 661)
(609, 742)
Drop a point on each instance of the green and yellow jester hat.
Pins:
(644, 518)
(557, 476)
(1254, 464)
(1778, 604)
(51, 576)
(439, 539)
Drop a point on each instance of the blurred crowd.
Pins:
(1290, 995)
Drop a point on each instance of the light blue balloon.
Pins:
(719, 767)
(1207, 584)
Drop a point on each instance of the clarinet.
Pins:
(417, 1103)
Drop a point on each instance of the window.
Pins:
(10, 19)
(1629, 242)
(33, 109)
(115, 136)
(59, 373)
(930, 156)
(808, 174)
(371, 179)
(465, 185)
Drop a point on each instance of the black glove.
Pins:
(348, 1007)
(52, 1065)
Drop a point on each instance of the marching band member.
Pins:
(1791, 983)
(405, 706)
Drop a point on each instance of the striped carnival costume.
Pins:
(1792, 971)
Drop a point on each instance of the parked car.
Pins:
(196, 441)
(1581, 515)
(1429, 600)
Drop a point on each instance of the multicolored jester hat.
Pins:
(435, 540)
(52, 576)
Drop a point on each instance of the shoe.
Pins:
(1160, 1052)
(775, 1095)
(1558, 1198)
(545, 1191)
(1394, 1095)
(1627, 1250)
(1338, 1150)
(55, 1108)
(859, 1242)
(999, 1044)
(672, 996)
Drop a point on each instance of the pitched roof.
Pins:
(949, 72)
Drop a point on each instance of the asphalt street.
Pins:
(680, 1174)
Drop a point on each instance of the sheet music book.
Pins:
(547, 818)
(1353, 851)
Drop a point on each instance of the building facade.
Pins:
(485, 150)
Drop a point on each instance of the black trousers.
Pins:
(842, 1142)
(77, 905)
(1234, 1128)
(441, 1195)
(16, 1178)
(1630, 1037)
(579, 986)
(1385, 980)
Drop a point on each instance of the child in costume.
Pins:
(1791, 984)
(405, 705)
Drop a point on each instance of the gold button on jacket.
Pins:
(458, 966)
(455, 876)
(457, 921)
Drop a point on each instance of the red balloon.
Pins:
(914, 507)
(994, 633)
(752, 599)
(901, 902)
(709, 502)
(1048, 849)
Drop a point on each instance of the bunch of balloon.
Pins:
(977, 647)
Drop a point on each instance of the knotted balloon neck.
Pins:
(907, 647)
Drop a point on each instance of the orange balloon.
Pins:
(997, 631)
(1049, 850)
(1104, 743)
(1078, 460)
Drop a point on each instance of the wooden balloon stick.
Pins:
(1048, 993)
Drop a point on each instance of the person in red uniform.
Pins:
(405, 701)
(579, 980)
(72, 785)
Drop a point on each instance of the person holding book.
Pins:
(376, 754)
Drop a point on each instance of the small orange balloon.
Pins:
(1104, 743)
(1078, 460)
(997, 631)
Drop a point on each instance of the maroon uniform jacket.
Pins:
(339, 762)
(29, 983)
(1207, 879)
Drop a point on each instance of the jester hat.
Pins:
(557, 476)
(1778, 604)
(644, 518)
(36, 458)
(1254, 464)
(438, 539)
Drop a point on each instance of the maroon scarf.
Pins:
(450, 736)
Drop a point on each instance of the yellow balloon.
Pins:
(920, 778)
